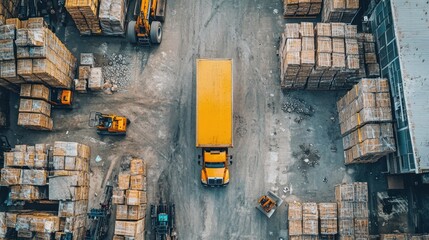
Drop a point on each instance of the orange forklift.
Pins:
(61, 98)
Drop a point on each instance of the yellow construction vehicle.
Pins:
(61, 98)
(109, 124)
(214, 119)
(268, 204)
(147, 27)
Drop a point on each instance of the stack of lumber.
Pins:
(352, 200)
(69, 184)
(112, 16)
(130, 200)
(324, 57)
(339, 10)
(301, 8)
(34, 108)
(84, 14)
(328, 218)
(42, 57)
(25, 172)
(8, 9)
(365, 120)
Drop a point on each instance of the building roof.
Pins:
(411, 23)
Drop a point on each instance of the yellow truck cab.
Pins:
(214, 119)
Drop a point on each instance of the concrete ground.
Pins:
(287, 142)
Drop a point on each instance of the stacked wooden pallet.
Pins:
(328, 219)
(84, 14)
(301, 8)
(25, 172)
(304, 218)
(69, 184)
(34, 108)
(367, 49)
(130, 199)
(8, 74)
(26, 175)
(339, 10)
(353, 217)
(112, 16)
(322, 58)
(365, 121)
(42, 57)
(8, 9)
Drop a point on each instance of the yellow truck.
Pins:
(214, 119)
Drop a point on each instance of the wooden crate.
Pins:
(328, 226)
(327, 210)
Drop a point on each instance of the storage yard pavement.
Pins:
(287, 142)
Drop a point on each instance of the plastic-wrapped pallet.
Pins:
(112, 16)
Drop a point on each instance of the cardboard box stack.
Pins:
(365, 120)
(112, 16)
(34, 110)
(8, 9)
(25, 172)
(352, 200)
(328, 218)
(339, 10)
(301, 8)
(69, 184)
(84, 14)
(322, 57)
(130, 200)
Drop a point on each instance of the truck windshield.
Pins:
(215, 165)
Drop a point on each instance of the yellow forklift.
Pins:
(109, 124)
(146, 29)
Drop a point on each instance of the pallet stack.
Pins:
(324, 57)
(310, 219)
(8, 9)
(367, 49)
(8, 73)
(365, 120)
(25, 173)
(328, 219)
(112, 16)
(339, 10)
(301, 8)
(130, 200)
(69, 184)
(84, 14)
(34, 108)
(295, 220)
(352, 200)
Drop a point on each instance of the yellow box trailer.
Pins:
(214, 119)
